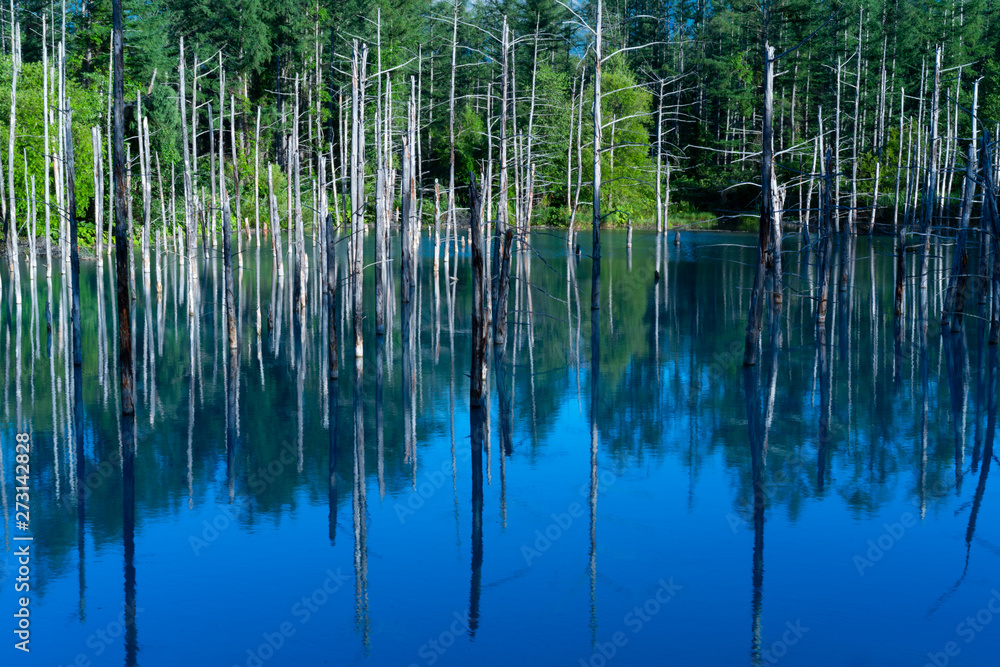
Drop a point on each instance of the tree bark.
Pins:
(595, 282)
(122, 245)
(358, 82)
(74, 237)
(480, 334)
(751, 348)
(955, 299)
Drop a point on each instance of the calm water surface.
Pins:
(631, 497)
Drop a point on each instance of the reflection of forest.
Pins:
(839, 416)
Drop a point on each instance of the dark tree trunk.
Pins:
(764, 245)
(122, 248)
(480, 334)
(500, 324)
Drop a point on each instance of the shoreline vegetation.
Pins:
(706, 223)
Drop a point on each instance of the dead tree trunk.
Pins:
(74, 237)
(480, 333)
(579, 167)
(256, 179)
(358, 81)
(503, 222)
(300, 249)
(955, 300)
(333, 355)
(659, 161)
(853, 213)
(147, 194)
(405, 231)
(122, 246)
(46, 151)
(190, 223)
(503, 287)
(930, 184)
(451, 131)
(991, 221)
(437, 227)
(381, 212)
(825, 234)
(899, 162)
(409, 199)
(237, 185)
(12, 242)
(272, 202)
(751, 347)
(227, 260)
(569, 148)
(595, 282)
(95, 140)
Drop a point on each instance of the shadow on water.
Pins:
(333, 402)
(991, 363)
(984, 472)
(81, 488)
(758, 426)
(380, 411)
(595, 394)
(232, 420)
(128, 516)
(477, 426)
(409, 390)
(362, 622)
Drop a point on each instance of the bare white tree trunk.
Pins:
(595, 283)
(358, 82)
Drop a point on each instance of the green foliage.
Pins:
(551, 216)
(989, 89)
(470, 140)
(626, 109)
(29, 138)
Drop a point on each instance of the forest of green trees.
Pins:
(681, 94)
